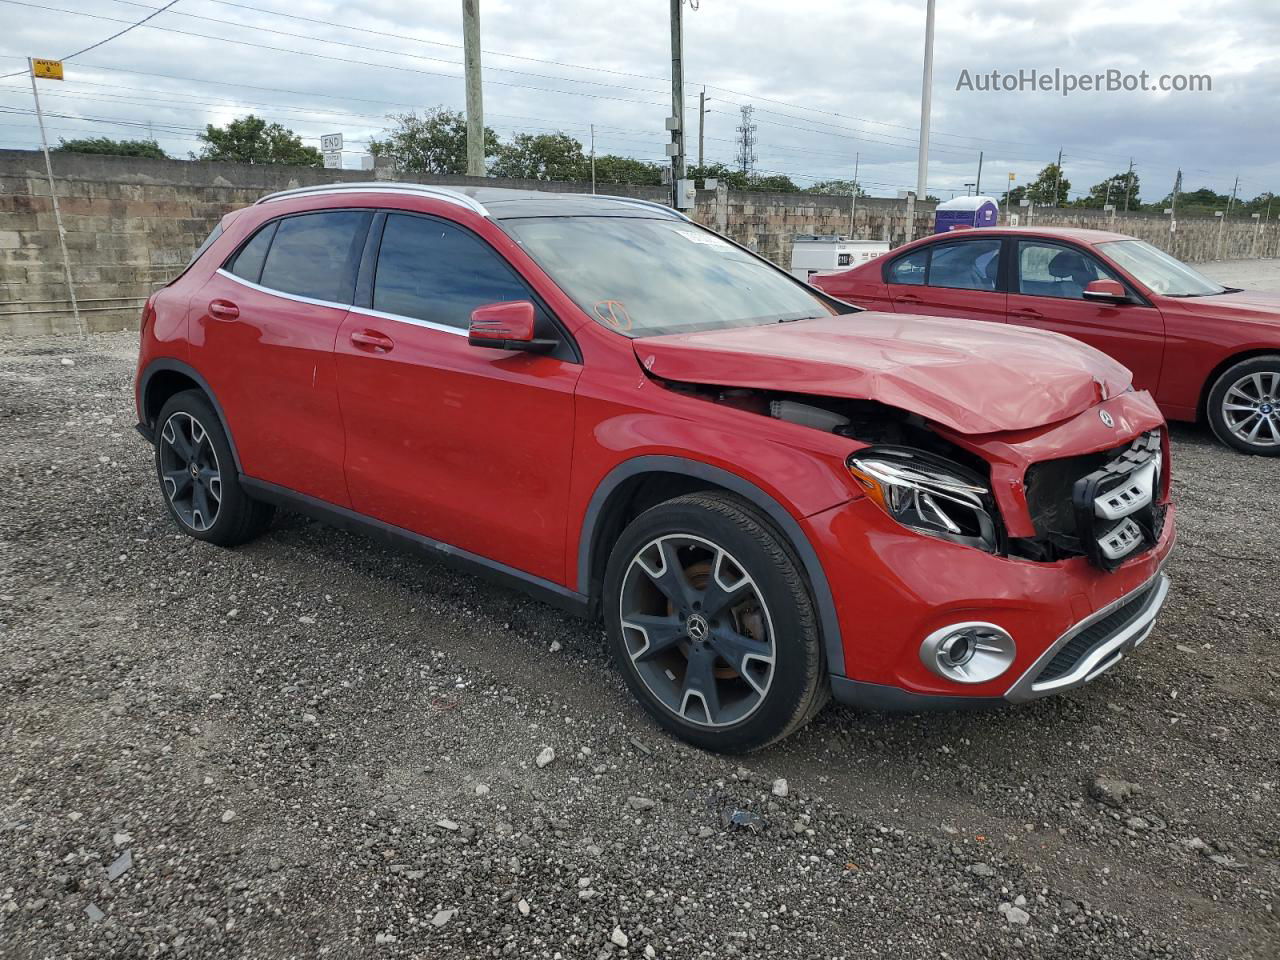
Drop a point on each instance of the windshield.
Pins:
(1158, 271)
(648, 277)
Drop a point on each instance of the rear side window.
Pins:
(214, 234)
(969, 265)
(909, 269)
(434, 271)
(315, 255)
(247, 264)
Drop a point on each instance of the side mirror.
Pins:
(506, 326)
(1107, 291)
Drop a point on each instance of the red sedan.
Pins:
(1203, 350)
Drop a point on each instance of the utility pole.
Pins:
(593, 158)
(53, 199)
(702, 120)
(977, 186)
(1057, 178)
(853, 194)
(1128, 185)
(677, 99)
(475, 94)
(926, 96)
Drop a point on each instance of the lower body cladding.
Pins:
(929, 624)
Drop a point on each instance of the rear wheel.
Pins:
(711, 623)
(198, 477)
(1244, 406)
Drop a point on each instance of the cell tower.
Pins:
(747, 142)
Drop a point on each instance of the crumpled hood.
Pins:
(972, 376)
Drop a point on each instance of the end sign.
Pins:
(331, 143)
(47, 69)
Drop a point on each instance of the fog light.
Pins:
(968, 652)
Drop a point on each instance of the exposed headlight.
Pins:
(928, 493)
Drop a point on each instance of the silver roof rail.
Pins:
(382, 186)
(644, 203)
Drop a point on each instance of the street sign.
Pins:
(333, 161)
(47, 69)
(1013, 176)
(331, 143)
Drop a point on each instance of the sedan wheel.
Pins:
(1244, 406)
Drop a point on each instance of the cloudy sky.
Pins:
(829, 81)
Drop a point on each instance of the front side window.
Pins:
(645, 277)
(909, 269)
(434, 271)
(315, 255)
(1159, 272)
(968, 265)
(1050, 270)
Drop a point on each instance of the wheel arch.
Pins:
(1202, 406)
(165, 377)
(648, 480)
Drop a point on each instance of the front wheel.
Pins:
(712, 625)
(1244, 406)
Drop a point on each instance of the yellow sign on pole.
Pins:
(47, 69)
(1013, 176)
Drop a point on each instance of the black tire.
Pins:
(738, 553)
(1247, 395)
(212, 506)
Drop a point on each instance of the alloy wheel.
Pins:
(697, 630)
(1251, 409)
(189, 470)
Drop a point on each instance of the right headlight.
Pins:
(928, 493)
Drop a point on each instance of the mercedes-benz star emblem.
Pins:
(1106, 418)
(698, 628)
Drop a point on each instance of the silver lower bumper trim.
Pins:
(1103, 655)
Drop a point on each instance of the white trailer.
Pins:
(814, 255)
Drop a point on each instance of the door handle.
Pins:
(372, 341)
(908, 298)
(223, 310)
(1026, 313)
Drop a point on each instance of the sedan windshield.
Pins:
(647, 277)
(1159, 272)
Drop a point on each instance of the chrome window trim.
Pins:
(413, 189)
(281, 293)
(413, 321)
(1104, 656)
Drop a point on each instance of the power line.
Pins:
(118, 33)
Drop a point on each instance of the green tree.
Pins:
(1014, 198)
(118, 148)
(252, 140)
(1113, 190)
(433, 143)
(543, 156)
(1199, 203)
(737, 180)
(615, 169)
(840, 188)
(1041, 190)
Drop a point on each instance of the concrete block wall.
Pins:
(132, 224)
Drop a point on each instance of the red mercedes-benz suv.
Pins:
(1205, 351)
(769, 495)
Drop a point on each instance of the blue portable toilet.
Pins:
(964, 212)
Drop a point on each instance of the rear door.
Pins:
(262, 333)
(956, 278)
(1048, 294)
(467, 445)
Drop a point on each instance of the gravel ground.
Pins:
(311, 746)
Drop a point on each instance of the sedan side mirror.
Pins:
(1107, 291)
(506, 326)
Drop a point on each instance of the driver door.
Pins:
(1048, 294)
